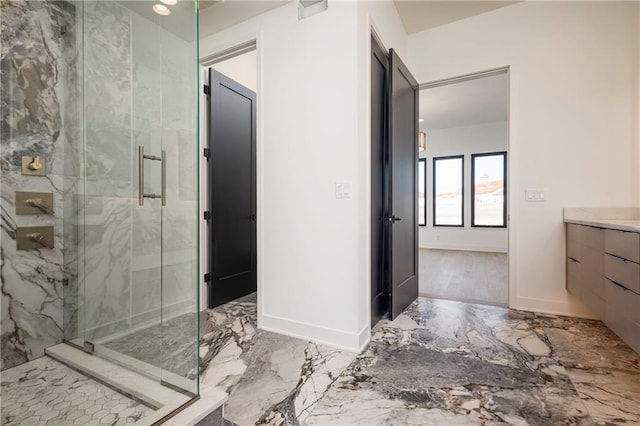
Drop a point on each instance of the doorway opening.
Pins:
(229, 185)
(463, 195)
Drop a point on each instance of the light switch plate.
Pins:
(534, 195)
(343, 190)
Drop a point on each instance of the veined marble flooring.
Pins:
(169, 345)
(46, 392)
(440, 362)
(270, 378)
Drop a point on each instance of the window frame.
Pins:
(424, 161)
(462, 185)
(473, 189)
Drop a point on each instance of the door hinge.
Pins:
(207, 277)
(207, 153)
(207, 89)
(207, 216)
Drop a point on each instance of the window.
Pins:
(448, 192)
(488, 190)
(422, 192)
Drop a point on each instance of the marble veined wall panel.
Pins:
(108, 188)
(39, 103)
(180, 216)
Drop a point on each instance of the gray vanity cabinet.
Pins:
(622, 285)
(585, 254)
(603, 271)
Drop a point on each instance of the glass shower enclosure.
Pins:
(131, 190)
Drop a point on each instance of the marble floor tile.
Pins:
(166, 344)
(46, 392)
(463, 363)
(440, 362)
(270, 378)
(603, 369)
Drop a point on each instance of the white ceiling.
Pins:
(423, 15)
(416, 15)
(468, 103)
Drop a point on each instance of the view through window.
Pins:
(448, 193)
(488, 188)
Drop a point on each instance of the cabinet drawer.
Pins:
(623, 244)
(593, 237)
(574, 232)
(592, 259)
(574, 250)
(623, 272)
(593, 282)
(595, 303)
(622, 302)
(573, 277)
(623, 327)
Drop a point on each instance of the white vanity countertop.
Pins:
(622, 219)
(632, 225)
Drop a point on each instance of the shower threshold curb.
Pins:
(161, 398)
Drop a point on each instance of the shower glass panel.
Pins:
(133, 295)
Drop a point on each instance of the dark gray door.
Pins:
(402, 216)
(232, 190)
(379, 263)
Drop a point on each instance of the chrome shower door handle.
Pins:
(164, 177)
(141, 157)
(140, 175)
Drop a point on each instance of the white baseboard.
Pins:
(365, 338)
(465, 247)
(352, 342)
(553, 307)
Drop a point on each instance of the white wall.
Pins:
(313, 129)
(573, 120)
(307, 240)
(242, 69)
(467, 140)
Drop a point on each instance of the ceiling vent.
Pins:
(308, 8)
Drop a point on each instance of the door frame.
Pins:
(511, 284)
(208, 56)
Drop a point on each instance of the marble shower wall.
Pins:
(138, 76)
(84, 84)
(108, 195)
(40, 116)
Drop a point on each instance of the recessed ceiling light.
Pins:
(169, 2)
(161, 9)
(420, 120)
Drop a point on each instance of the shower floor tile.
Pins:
(47, 392)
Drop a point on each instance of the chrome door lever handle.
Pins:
(394, 219)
